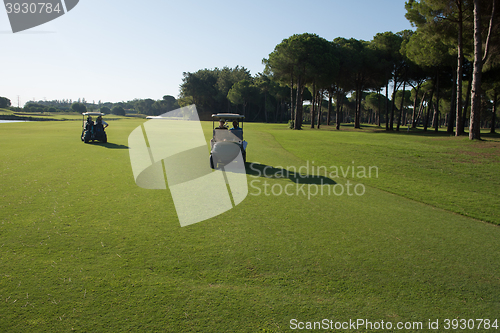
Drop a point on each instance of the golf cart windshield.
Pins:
(235, 135)
(227, 117)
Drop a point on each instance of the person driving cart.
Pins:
(221, 125)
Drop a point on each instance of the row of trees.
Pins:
(148, 106)
(439, 54)
(152, 107)
(444, 72)
(64, 105)
(468, 30)
(234, 90)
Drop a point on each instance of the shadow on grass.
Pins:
(441, 133)
(417, 132)
(267, 171)
(492, 136)
(403, 130)
(109, 145)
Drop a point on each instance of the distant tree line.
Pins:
(148, 106)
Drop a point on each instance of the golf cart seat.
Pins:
(226, 135)
(238, 133)
(99, 128)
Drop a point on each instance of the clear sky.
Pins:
(120, 50)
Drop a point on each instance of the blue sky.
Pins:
(120, 50)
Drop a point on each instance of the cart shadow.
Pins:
(110, 145)
(267, 171)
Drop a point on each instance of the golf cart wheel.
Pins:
(86, 137)
(212, 162)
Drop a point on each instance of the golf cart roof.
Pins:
(227, 116)
(93, 114)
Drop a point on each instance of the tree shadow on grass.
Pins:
(491, 136)
(403, 130)
(270, 172)
(442, 133)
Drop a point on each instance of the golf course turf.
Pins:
(84, 248)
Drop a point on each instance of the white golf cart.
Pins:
(226, 144)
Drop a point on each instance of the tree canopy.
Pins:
(4, 102)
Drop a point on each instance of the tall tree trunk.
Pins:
(467, 103)
(387, 106)
(292, 115)
(339, 109)
(494, 114)
(379, 108)
(490, 29)
(460, 65)
(435, 119)
(330, 98)
(401, 108)
(391, 124)
(313, 104)
(451, 118)
(299, 107)
(420, 110)
(429, 107)
(475, 108)
(357, 113)
(320, 99)
(414, 113)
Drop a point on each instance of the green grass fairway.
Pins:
(456, 174)
(84, 249)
